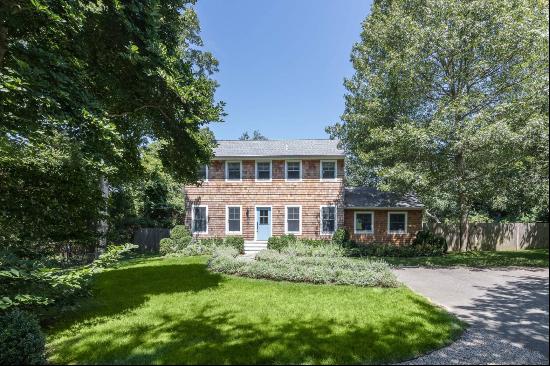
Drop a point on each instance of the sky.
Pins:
(282, 62)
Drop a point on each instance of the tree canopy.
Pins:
(83, 85)
(256, 136)
(450, 100)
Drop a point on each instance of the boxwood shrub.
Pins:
(21, 339)
(280, 242)
(236, 242)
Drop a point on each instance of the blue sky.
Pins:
(282, 62)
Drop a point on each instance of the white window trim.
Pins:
(286, 220)
(205, 179)
(193, 219)
(286, 171)
(256, 218)
(227, 220)
(406, 222)
(227, 171)
(270, 170)
(321, 232)
(335, 171)
(355, 231)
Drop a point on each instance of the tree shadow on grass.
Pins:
(118, 291)
(218, 336)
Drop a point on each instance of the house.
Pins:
(259, 189)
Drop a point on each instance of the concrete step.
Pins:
(254, 246)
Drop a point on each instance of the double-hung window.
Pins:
(200, 219)
(328, 220)
(233, 171)
(203, 173)
(364, 222)
(293, 170)
(233, 216)
(397, 222)
(328, 170)
(293, 223)
(263, 171)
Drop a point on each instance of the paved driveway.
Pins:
(507, 311)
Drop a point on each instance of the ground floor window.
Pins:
(233, 214)
(200, 219)
(328, 219)
(397, 222)
(293, 219)
(363, 222)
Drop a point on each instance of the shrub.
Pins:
(316, 242)
(271, 264)
(21, 340)
(236, 242)
(340, 236)
(181, 236)
(280, 242)
(320, 248)
(429, 243)
(166, 246)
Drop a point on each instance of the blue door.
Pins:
(263, 223)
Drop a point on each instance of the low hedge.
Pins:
(270, 264)
(21, 339)
(280, 242)
(236, 242)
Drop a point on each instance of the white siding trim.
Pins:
(406, 222)
(193, 219)
(286, 220)
(227, 220)
(355, 231)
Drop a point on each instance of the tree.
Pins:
(450, 100)
(256, 136)
(83, 85)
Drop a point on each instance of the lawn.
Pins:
(166, 311)
(485, 259)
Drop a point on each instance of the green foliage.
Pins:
(429, 243)
(340, 236)
(32, 285)
(271, 264)
(167, 246)
(236, 242)
(280, 242)
(453, 105)
(256, 136)
(319, 248)
(181, 236)
(21, 339)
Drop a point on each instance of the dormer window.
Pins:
(233, 171)
(328, 170)
(263, 171)
(293, 170)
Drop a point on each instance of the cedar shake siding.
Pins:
(380, 226)
(310, 193)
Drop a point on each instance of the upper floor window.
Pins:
(328, 170)
(199, 219)
(233, 170)
(397, 222)
(293, 170)
(363, 223)
(263, 170)
(293, 220)
(203, 173)
(328, 219)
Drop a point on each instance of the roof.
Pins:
(366, 197)
(278, 148)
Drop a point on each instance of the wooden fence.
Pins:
(148, 239)
(495, 236)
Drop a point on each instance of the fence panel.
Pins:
(495, 236)
(148, 239)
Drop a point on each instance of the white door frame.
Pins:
(256, 220)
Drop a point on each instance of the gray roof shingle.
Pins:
(277, 148)
(366, 197)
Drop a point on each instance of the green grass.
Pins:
(486, 259)
(165, 311)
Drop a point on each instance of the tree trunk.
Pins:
(463, 208)
(103, 225)
(3, 42)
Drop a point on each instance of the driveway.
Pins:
(507, 310)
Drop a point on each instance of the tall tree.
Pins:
(450, 100)
(89, 83)
(256, 136)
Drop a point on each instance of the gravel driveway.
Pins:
(507, 310)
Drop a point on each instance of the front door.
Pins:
(263, 223)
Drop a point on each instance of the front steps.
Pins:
(253, 247)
